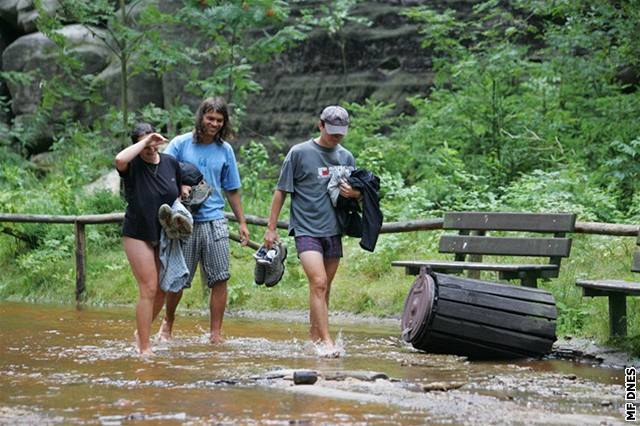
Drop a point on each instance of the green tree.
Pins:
(132, 32)
(235, 36)
(333, 17)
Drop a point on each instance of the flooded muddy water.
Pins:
(66, 365)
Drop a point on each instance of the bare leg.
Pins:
(166, 328)
(319, 284)
(143, 265)
(330, 267)
(217, 304)
(160, 295)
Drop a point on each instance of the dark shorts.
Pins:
(330, 247)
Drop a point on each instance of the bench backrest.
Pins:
(479, 223)
(635, 267)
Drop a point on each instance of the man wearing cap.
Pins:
(305, 174)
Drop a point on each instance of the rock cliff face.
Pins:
(383, 62)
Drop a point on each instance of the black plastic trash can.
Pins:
(449, 314)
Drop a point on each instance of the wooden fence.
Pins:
(79, 222)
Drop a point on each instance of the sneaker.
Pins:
(274, 270)
(181, 225)
(164, 217)
(260, 268)
(199, 193)
(268, 257)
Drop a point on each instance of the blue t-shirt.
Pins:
(217, 163)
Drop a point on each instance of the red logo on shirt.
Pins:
(323, 171)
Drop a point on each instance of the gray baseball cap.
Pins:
(336, 120)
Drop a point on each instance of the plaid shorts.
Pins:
(209, 245)
(330, 247)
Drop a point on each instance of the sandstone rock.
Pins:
(35, 53)
(4, 134)
(142, 88)
(107, 182)
(43, 162)
(27, 13)
(9, 14)
(4, 91)
(384, 62)
(37, 135)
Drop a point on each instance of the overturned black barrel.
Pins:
(448, 314)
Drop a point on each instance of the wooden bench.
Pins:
(474, 242)
(617, 292)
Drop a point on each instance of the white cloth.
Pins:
(337, 177)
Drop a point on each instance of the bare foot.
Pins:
(216, 338)
(328, 349)
(146, 354)
(136, 339)
(143, 353)
(165, 332)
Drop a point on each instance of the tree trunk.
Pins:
(123, 80)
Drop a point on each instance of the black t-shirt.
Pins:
(146, 187)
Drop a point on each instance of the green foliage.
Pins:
(177, 119)
(131, 32)
(571, 319)
(560, 191)
(17, 78)
(49, 264)
(332, 17)
(259, 175)
(229, 38)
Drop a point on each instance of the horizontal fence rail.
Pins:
(79, 222)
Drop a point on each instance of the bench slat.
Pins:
(505, 246)
(531, 222)
(474, 266)
(610, 286)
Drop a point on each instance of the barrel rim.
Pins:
(414, 333)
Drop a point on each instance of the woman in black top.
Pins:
(150, 180)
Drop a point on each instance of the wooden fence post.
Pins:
(80, 260)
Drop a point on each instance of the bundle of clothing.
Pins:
(365, 222)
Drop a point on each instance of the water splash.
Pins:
(321, 350)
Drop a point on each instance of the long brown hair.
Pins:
(216, 104)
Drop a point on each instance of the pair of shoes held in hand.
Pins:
(176, 224)
(269, 267)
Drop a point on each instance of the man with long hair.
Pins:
(207, 148)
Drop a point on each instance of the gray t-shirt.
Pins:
(305, 174)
